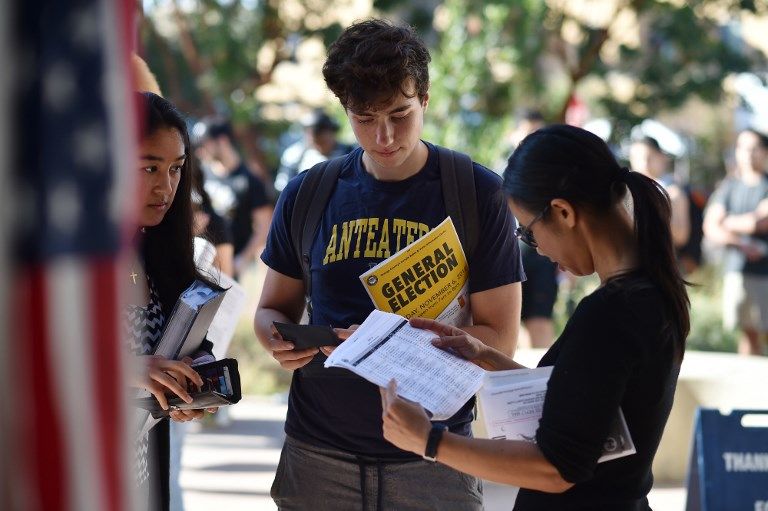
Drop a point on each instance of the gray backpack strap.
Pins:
(308, 209)
(458, 177)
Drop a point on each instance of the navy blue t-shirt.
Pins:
(365, 222)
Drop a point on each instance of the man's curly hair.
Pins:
(372, 61)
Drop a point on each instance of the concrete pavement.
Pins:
(231, 467)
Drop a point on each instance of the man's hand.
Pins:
(344, 334)
(289, 358)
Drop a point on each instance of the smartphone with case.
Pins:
(307, 336)
(221, 387)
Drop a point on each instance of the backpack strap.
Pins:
(311, 199)
(458, 177)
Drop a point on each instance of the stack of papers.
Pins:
(386, 347)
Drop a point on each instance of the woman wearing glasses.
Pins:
(621, 348)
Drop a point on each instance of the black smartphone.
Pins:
(307, 336)
(221, 386)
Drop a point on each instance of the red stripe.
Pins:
(108, 379)
(42, 428)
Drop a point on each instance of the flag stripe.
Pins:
(47, 488)
(122, 119)
(117, 18)
(73, 364)
(108, 397)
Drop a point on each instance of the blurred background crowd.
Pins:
(678, 89)
(670, 85)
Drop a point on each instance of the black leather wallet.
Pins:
(221, 387)
(307, 336)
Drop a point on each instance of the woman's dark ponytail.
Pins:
(561, 161)
(655, 250)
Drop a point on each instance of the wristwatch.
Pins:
(433, 441)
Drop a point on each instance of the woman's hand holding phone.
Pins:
(159, 375)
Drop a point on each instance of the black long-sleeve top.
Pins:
(617, 350)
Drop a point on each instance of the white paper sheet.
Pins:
(386, 347)
(225, 321)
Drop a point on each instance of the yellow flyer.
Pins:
(429, 278)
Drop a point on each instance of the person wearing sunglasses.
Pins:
(622, 348)
(525, 234)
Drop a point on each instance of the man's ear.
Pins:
(563, 212)
(425, 103)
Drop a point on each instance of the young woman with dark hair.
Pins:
(622, 348)
(162, 266)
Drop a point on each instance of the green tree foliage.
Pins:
(483, 66)
(492, 58)
(211, 56)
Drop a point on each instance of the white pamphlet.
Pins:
(513, 402)
(224, 323)
(386, 347)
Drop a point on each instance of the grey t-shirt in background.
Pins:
(738, 197)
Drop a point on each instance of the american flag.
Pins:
(70, 141)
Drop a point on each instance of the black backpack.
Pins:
(456, 173)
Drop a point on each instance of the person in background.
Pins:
(530, 120)
(162, 266)
(318, 144)
(737, 218)
(647, 158)
(622, 348)
(211, 226)
(541, 285)
(236, 193)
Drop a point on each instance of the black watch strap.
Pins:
(433, 441)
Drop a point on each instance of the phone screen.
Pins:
(215, 377)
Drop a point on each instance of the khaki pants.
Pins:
(745, 302)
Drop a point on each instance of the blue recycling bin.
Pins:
(728, 468)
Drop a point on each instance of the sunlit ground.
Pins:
(232, 467)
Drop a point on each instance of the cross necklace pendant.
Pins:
(133, 275)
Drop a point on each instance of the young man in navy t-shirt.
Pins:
(388, 194)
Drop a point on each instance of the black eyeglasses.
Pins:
(525, 234)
